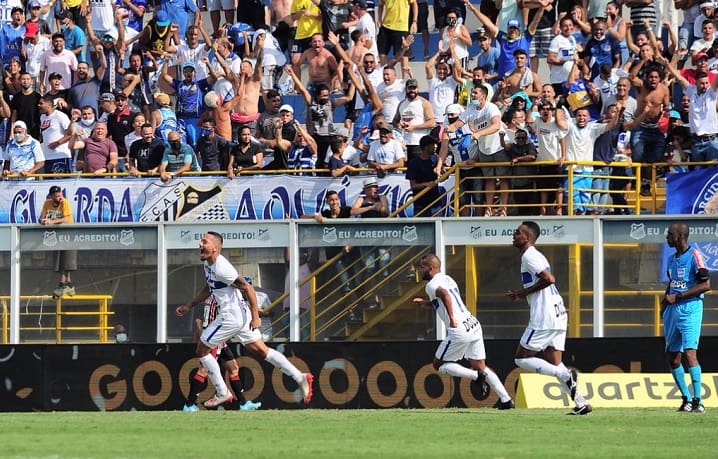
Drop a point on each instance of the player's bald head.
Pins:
(680, 229)
(432, 261)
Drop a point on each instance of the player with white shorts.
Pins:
(548, 318)
(238, 317)
(464, 335)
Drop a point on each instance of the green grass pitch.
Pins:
(395, 433)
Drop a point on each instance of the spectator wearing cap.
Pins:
(510, 40)
(181, 13)
(59, 95)
(119, 124)
(34, 45)
(421, 174)
(74, 36)
(190, 95)
(56, 210)
(56, 134)
(158, 35)
(98, 154)
(105, 51)
(38, 17)
(701, 62)
(488, 58)
(23, 154)
(164, 118)
(386, 154)
(365, 23)
(286, 123)
(414, 117)
(59, 60)
(12, 34)
(707, 11)
(273, 58)
(703, 122)
(24, 106)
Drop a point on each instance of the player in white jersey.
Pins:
(236, 318)
(464, 337)
(546, 331)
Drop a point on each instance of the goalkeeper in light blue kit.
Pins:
(688, 280)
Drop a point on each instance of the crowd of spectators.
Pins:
(108, 86)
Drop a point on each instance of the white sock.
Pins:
(579, 400)
(209, 362)
(496, 385)
(541, 366)
(280, 361)
(454, 369)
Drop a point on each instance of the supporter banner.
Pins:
(501, 232)
(695, 192)
(347, 375)
(612, 390)
(198, 198)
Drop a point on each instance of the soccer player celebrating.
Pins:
(464, 337)
(548, 319)
(688, 280)
(238, 316)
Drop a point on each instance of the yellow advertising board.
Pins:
(612, 390)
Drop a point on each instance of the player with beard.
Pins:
(239, 317)
(464, 335)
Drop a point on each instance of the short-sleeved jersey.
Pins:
(547, 311)
(682, 271)
(220, 276)
(467, 324)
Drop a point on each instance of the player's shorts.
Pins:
(451, 350)
(540, 43)
(682, 325)
(216, 5)
(230, 323)
(538, 340)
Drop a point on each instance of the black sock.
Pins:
(237, 388)
(197, 383)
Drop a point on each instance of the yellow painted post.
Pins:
(472, 282)
(457, 190)
(574, 291)
(312, 309)
(657, 315)
(4, 322)
(103, 320)
(569, 190)
(637, 190)
(58, 320)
